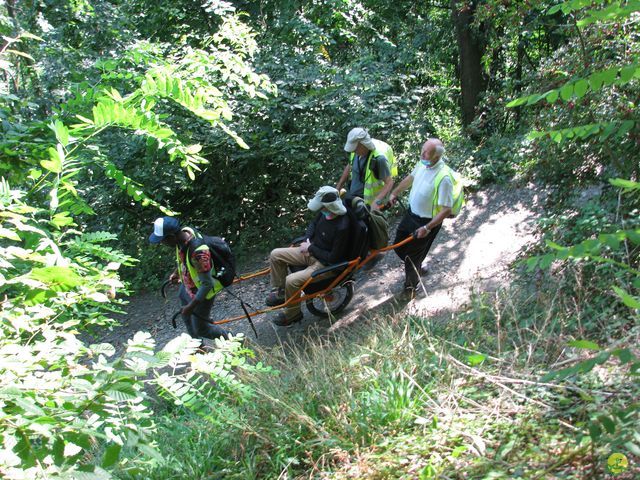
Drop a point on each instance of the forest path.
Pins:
(471, 253)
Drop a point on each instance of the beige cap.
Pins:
(358, 135)
(329, 198)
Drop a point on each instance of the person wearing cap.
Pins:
(423, 217)
(326, 242)
(370, 165)
(195, 271)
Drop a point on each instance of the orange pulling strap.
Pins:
(374, 253)
(297, 297)
(249, 276)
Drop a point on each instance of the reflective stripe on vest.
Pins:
(444, 171)
(372, 185)
(193, 273)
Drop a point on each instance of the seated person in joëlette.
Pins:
(326, 243)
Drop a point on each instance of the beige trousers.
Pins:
(279, 261)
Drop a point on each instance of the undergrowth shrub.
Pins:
(418, 397)
(71, 410)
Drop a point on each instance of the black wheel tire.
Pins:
(336, 301)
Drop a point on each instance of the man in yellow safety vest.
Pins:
(372, 168)
(430, 202)
(195, 270)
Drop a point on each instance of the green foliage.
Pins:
(604, 130)
(98, 126)
(592, 94)
(579, 88)
(459, 393)
(66, 408)
(618, 252)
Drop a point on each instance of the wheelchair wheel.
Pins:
(331, 302)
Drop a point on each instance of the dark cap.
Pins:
(162, 227)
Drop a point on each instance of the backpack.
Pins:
(378, 230)
(358, 227)
(224, 261)
(376, 222)
(457, 181)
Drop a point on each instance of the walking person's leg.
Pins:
(416, 255)
(205, 328)
(410, 251)
(198, 324)
(185, 299)
(414, 252)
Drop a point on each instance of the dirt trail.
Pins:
(471, 253)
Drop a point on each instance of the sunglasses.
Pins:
(329, 197)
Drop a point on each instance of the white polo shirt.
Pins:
(421, 194)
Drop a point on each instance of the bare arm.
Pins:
(344, 177)
(388, 185)
(402, 186)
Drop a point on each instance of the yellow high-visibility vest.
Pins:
(372, 185)
(193, 273)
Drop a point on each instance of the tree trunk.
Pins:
(471, 49)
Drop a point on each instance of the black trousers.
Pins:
(414, 252)
(198, 324)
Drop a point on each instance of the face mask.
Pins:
(326, 214)
(426, 163)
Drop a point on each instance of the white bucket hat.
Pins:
(329, 198)
(358, 135)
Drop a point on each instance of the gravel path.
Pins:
(471, 253)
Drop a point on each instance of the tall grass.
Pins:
(410, 397)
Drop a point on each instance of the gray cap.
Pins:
(358, 135)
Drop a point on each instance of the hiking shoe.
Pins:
(275, 298)
(283, 321)
(408, 292)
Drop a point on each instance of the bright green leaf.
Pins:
(63, 278)
(566, 92)
(581, 87)
(628, 300)
(476, 359)
(609, 76)
(626, 184)
(596, 80)
(552, 96)
(62, 219)
(585, 344)
(111, 454)
(61, 131)
(627, 73)
(517, 102)
(55, 163)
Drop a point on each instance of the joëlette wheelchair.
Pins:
(329, 290)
